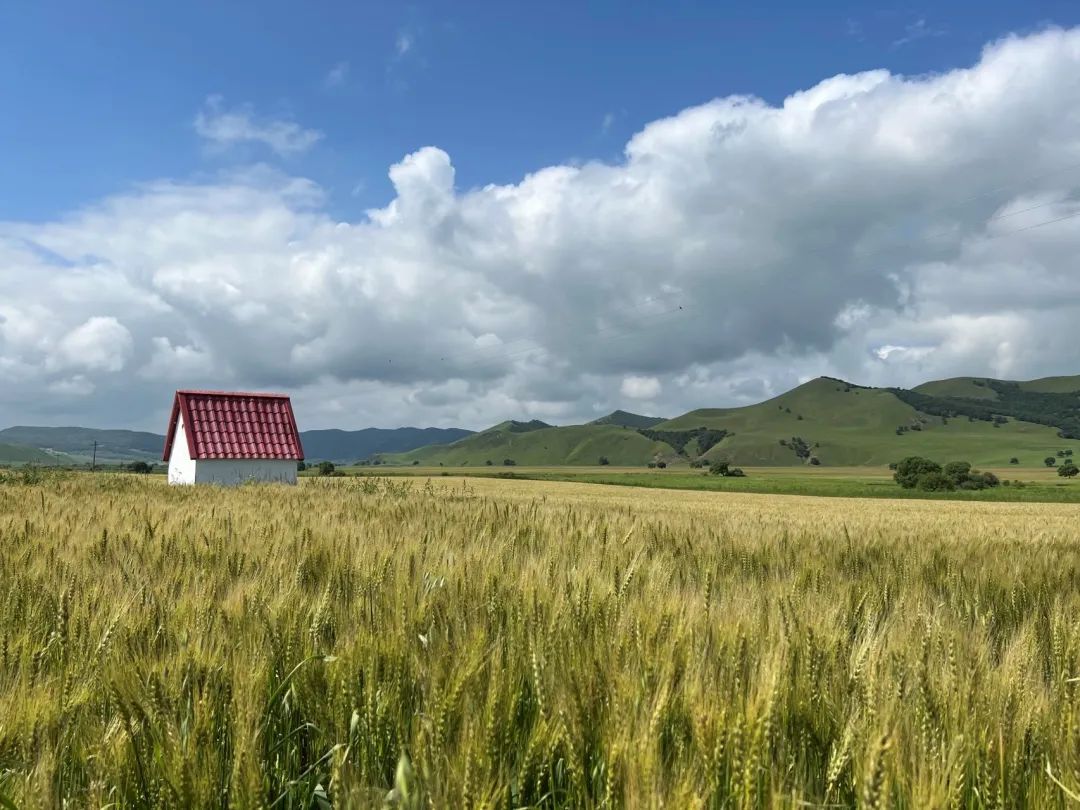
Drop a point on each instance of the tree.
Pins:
(604, 461)
(509, 462)
(990, 479)
(488, 462)
(1068, 470)
(140, 467)
(720, 468)
(1014, 460)
(300, 466)
(736, 472)
(815, 461)
(911, 468)
(415, 462)
(661, 464)
(957, 471)
(326, 468)
(1049, 461)
(934, 481)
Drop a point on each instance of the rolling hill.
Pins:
(74, 445)
(574, 444)
(353, 445)
(78, 443)
(627, 419)
(987, 422)
(20, 454)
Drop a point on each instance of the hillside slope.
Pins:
(78, 442)
(627, 419)
(575, 444)
(846, 425)
(20, 454)
(353, 445)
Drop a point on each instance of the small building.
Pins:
(221, 437)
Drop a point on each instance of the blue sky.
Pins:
(102, 95)
(454, 214)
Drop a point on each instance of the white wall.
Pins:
(229, 471)
(233, 471)
(181, 465)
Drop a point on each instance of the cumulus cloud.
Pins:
(876, 227)
(635, 387)
(223, 127)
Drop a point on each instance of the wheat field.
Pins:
(508, 644)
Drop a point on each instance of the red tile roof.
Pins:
(223, 424)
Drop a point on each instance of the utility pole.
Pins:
(93, 464)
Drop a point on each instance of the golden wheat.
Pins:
(504, 644)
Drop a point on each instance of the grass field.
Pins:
(468, 643)
(1039, 485)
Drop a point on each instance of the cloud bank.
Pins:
(876, 227)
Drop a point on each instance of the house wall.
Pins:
(233, 471)
(181, 464)
(183, 469)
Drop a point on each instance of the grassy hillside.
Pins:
(967, 387)
(576, 444)
(354, 445)
(1053, 385)
(837, 423)
(627, 419)
(852, 426)
(980, 388)
(20, 454)
(78, 442)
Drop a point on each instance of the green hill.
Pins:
(967, 387)
(575, 444)
(627, 419)
(78, 442)
(986, 422)
(20, 454)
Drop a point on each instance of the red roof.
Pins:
(224, 424)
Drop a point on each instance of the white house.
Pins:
(221, 437)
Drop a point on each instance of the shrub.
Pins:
(736, 472)
(652, 465)
(990, 479)
(911, 468)
(604, 461)
(815, 461)
(1049, 461)
(1014, 460)
(140, 467)
(300, 466)
(720, 468)
(934, 481)
(326, 468)
(488, 462)
(509, 462)
(661, 465)
(416, 462)
(957, 471)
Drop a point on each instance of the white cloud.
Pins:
(404, 43)
(736, 249)
(224, 128)
(640, 387)
(99, 344)
(336, 76)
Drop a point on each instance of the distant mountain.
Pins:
(356, 445)
(537, 443)
(627, 419)
(76, 445)
(825, 421)
(20, 454)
